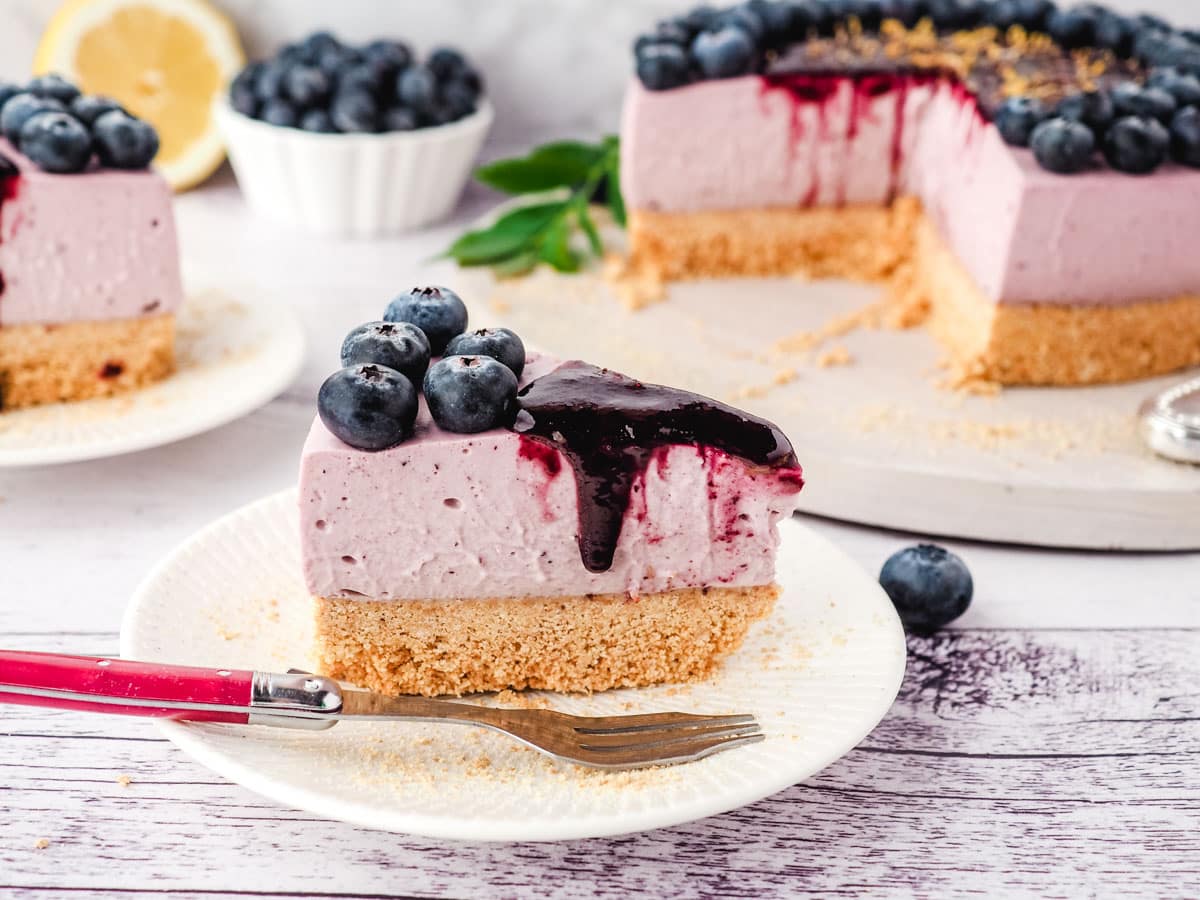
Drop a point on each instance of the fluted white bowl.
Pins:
(356, 185)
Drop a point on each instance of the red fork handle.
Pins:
(124, 687)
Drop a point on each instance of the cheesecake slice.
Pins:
(617, 534)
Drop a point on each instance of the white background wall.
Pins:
(553, 65)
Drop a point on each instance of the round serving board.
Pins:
(881, 442)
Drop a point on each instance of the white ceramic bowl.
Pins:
(357, 185)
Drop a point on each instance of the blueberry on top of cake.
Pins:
(1024, 172)
(499, 519)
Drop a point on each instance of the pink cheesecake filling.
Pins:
(446, 516)
(94, 246)
(802, 140)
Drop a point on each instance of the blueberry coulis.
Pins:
(608, 427)
(9, 174)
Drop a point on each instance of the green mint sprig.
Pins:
(540, 230)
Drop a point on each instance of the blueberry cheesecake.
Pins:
(89, 267)
(1023, 175)
(323, 85)
(475, 516)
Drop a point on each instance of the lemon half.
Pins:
(163, 60)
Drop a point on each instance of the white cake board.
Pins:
(880, 442)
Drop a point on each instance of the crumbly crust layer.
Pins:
(578, 643)
(1014, 344)
(49, 363)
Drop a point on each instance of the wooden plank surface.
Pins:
(1055, 763)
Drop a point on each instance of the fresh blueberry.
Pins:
(724, 53)
(399, 118)
(661, 67)
(1115, 32)
(458, 99)
(1183, 87)
(1033, 14)
(908, 12)
(53, 86)
(370, 407)
(242, 95)
(123, 142)
(1063, 145)
(88, 109)
(57, 142)
(318, 122)
(469, 394)
(387, 58)
(20, 109)
(307, 86)
(1093, 108)
(8, 91)
(397, 345)
(437, 311)
(807, 14)
(1002, 14)
(1072, 28)
(668, 31)
(296, 55)
(1136, 144)
(416, 88)
(1130, 99)
(355, 111)
(320, 42)
(279, 112)
(361, 77)
(268, 84)
(743, 17)
(445, 63)
(1151, 21)
(335, 61)
(699, 18)
(955, 15)
(929, 586)
(1017, 117)
(497, 343)
(1185, 137)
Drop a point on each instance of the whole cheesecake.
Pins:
(934, 156)
(609, 533)
(89, 263)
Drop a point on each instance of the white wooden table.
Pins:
(1047, 746)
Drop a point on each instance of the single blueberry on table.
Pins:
(725, 53)
(397, 345)
(355, 111)
(498, 343)
(20, 109)
(416, 88)
(307, 86)
(53, 86)
(1017, 117)
(88, 109)
(1063, 145)
(469, 394)
(279, 112)
(1130, 99)
(57, 142)
(369, 407)
(929, 586)
(1093, 108)
(318, 122)
(399, 118)
(1137, 145)
(661, 67)
(1183, 87)
(1185, 137)
(123, 142)
(437, 311)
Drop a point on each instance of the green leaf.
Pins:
(561, 164)
(507, 236)
(556, 249)
(616, 202)
(589, 229)
(515, 266)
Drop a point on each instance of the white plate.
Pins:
(233, 357)
(819, 674)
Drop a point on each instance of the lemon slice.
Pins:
(164, 60)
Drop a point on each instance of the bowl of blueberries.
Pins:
(354, 140)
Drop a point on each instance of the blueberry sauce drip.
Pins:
(608, 426)
(8, 189)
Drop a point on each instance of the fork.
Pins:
(301, 700)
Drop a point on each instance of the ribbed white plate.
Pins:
(819, 674)
(233, 357)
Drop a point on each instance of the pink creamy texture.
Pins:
(98, 245)
(445, 516)
(1023, 233)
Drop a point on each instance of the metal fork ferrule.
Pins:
(310, 702)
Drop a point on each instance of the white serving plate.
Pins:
(819, 673)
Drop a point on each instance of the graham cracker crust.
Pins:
(1043, 343)
(49, 363)
(577, 644)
